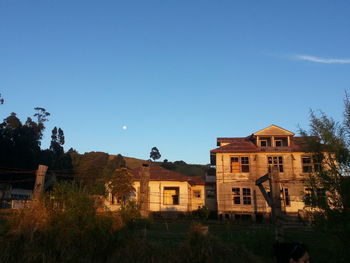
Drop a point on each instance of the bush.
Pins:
(63, 227)
(201, 247)
(130, 211)
(201, 213)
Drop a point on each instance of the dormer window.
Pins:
(278, 143)
(265, 142)
(281, 141)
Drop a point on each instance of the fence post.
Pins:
(144, 190)
(39, 181)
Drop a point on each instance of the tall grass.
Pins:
(65, 227)
(62, 227)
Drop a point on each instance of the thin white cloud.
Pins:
(322, 60)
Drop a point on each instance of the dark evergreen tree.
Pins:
(155, 154)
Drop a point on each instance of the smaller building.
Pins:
(168, 191)
(14, 197)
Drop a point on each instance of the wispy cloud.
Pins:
(322, 60)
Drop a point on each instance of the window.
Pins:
(310, 164)
(281, 141)
(171, 195)
(265, 142)
(245, 164)
(276, 161)
(236, 196)
(286, 197)
(197, 193)
(245, 198)
(240, 164)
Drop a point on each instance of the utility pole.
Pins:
(276, 207)
(144, 190)
(273, 200)
(39, 181)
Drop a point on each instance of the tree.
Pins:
(1, 100)
(155, 154)
(19, 144)
(329, 143)
(121, 184)
(57, 141)
(42, 117)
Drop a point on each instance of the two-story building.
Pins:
(241, 161)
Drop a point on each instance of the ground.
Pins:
(169, 235)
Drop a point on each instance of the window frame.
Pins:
(247, 196)
(286, 196)
(236, 191)
(242, 196)
(314, 165)
(175, 198)
(279, 164)
(267, 140)
(283, 141)
(243, 163)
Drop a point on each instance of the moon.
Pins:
(125, 127)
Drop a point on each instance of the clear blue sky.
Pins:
(177, 73)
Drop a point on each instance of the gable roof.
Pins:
(242, 145)
(247, 145)
(273, 130)
(158, 173)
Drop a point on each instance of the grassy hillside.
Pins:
(185, 169)
(177, 166)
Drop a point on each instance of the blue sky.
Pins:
(178, 74)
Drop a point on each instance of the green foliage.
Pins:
(130, 211)
(63, 228)
(89, 170)
(113, 164)
(121, 184)
(19, 144)
(185, 169)
(329, 141)
(201, 213)
(155, 154)
(200, 247)
(95, 169)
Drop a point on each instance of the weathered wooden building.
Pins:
(241, 161)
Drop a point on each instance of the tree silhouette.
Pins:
(155, 154)
(41, 115)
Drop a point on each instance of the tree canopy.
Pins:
(121, 184)
(329, 142)
(20, 148)
(155, 154)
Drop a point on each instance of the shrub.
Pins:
(63, 227)
(130, 211)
